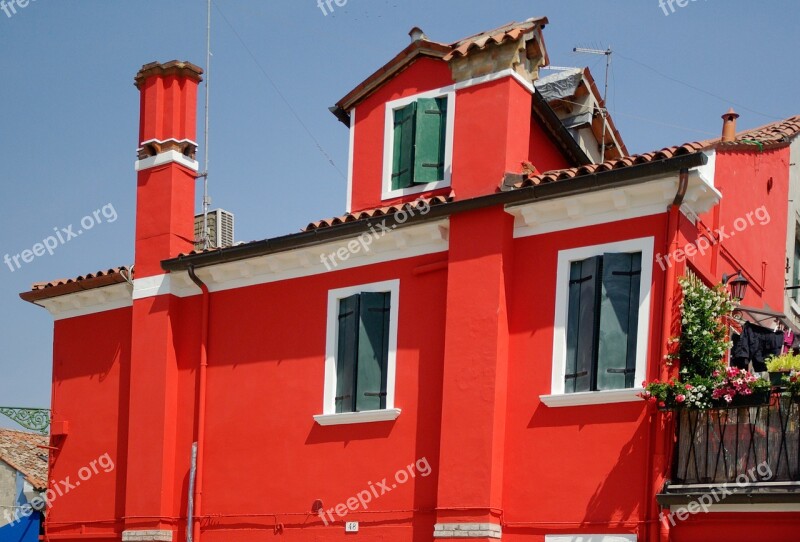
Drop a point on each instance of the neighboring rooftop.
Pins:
(24, 452)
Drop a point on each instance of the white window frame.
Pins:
(329, 415)
(388, 147)
(558, 397)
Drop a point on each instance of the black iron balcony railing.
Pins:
(717, 446)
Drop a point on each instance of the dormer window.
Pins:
(419, 144)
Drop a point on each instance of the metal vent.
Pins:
(220, 229)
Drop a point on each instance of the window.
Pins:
(360, 358)
(420, 131)
(602, 322)
(362, 352)
(418, 143)
(602, 318)
(796, 270)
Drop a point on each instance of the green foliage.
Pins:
(785, 362)
(792, 383)
(703, 341)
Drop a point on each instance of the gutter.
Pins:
(579, 185)
(195, 503)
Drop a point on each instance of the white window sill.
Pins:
(348, 418)
(416, 189)
(592, 398)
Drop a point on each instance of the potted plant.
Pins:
(781, 366)
(792, 384)
(738, 388)
(674, 395)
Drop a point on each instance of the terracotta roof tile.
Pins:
(508, 32)
(775, 133)
(22, 452)
(82, 278)
(378, 212)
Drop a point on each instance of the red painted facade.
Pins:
(474, 358)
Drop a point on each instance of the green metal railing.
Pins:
(35, 419)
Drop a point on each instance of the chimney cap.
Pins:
(417, 34)
(173, 67)
(731, 115)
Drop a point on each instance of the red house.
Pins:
(458, 356)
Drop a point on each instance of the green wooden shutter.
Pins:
(582, 316)
(346, 354)
(403, 152)
(619, 320)
(373, 351)
(429, 140)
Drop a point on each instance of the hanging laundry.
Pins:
(755, 345)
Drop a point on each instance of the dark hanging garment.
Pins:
(755, 345)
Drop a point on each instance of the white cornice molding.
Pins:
(87, 302)
(613, 204)
(168, 157)
(398, 244)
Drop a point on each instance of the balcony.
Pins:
(754, 452)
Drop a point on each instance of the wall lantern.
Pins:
(738, 286)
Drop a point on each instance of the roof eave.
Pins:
(393, 67)
(586, 183)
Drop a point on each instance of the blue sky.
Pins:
(69, 110)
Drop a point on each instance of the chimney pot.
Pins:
(729, 126)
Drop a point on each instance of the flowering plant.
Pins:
(792, 383)
(733, 382)
(695, 394)
(704, 338)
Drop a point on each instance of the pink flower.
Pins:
(728, 398)
(680, 398)
(662, 404)
(715, 374)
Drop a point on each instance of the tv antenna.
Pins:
(603, 110)
(204, 175)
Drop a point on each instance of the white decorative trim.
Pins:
(152, 286)
(349, 418)
(162, 141)
(590, 538)
(592, 398)
(351, 160)
(645, 245)
(332, 338)
(168, 157)
(508, 72)
(388, 144)
(106, 298)
(708, 172)
(467, 530)
(751, 508)
(147, 536)
(394, 245)
(611, 205)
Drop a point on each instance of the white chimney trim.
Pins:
(167, 157)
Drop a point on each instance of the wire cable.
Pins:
(698, 89)
(280, 94)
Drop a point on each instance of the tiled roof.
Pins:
(22, 452)
(770, 134)
(498, 36)
(43, 290)
(776, 132)
(426, 47)
(382, 211)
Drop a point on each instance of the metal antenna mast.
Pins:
(204, 175)
(604, 109)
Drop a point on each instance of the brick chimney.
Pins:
(729, 126)
(166, 164)
(167, 172)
